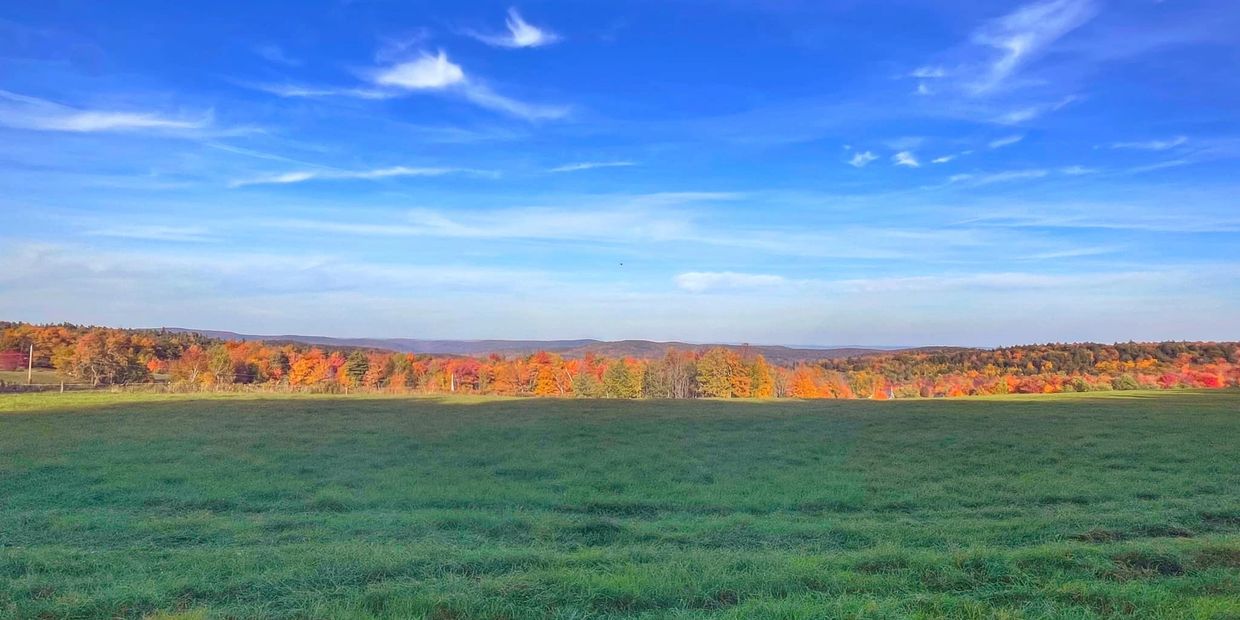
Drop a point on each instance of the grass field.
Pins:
(115, 505)
(40, 376)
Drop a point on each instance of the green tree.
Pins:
(356, 367)
(586, 385)
(618, 381)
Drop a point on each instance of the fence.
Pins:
(189, 388)
(10, 387)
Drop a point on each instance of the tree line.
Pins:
(103, 356)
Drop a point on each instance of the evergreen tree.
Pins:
(618, 381)
(356, 366)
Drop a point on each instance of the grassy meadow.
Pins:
(249, 506)
(41, 376)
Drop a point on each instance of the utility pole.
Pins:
(30, 365)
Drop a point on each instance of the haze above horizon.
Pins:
(927, 173)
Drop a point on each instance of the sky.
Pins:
(779, 172)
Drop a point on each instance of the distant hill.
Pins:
(645, 349)
(775, 354)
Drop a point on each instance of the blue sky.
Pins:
(889, 173)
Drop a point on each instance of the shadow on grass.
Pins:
(81, 402)
(107, 401)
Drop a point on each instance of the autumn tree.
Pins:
(309, 368)
(880, 391)
(863, 382)
(714, 373)
(802, 384)
(637, 375)
(761, 379)
(191, 367)
(278, 364)
(544, 382)
(219, 365)
(104, 357)
(378, 369)
(739, 373)
(335, 365)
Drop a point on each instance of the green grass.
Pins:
(133, 505)
(39, 376)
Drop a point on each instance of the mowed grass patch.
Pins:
(116, 505)
(40, 376)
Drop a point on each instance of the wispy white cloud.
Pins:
(153, 232)
(426, 72)
(982, 79)
(928, 72)
(590, 165)
(905, 158)
(289, 90)
(988, 65)
(1025, 113)
(905, 143)
(999, 280)
(1024, 34)
(482, 95)
(1152, 145)
(520, 34)
(115, 121)
(943, 159)
(171, 275)
(1145, 214)
(24, 112)
(862, 158)
(229, 148)
(1162, 165)
(706, 281)
(437, 72)
(997, 177)
(276, 54)
(728, 281)
(610, 218)
(676, 221)
(1071, 253)
(333, 174)
(396, 48)
(1077, 170)
(1005, 141)
(633, 223)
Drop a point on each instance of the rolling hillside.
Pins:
(644, 349)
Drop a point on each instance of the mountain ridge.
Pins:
(572, 348)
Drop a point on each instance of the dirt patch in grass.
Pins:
(1144, 565)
